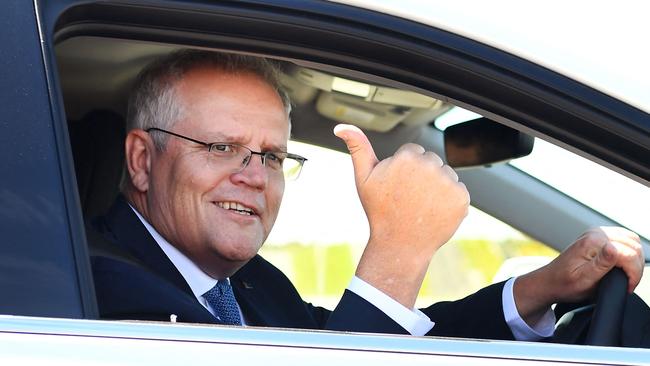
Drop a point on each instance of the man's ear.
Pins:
(138, 150)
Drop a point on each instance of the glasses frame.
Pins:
(263, 154)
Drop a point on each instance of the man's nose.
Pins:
(254, 173)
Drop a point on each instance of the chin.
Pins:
(240, 253)
(242, 256)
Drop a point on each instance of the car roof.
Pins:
(599, 45)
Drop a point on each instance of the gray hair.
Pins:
(153, 101)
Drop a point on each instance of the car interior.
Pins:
(95, 76)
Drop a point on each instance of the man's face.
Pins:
(192, 196)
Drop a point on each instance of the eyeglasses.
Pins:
(238, 156)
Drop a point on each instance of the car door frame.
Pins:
(441, 64)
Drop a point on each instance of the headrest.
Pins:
(98, 148)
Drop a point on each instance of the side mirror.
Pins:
(484, 142)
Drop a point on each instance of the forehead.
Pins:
(239, 107)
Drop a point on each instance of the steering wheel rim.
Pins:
(605, 326)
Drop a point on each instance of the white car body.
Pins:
(607, 50)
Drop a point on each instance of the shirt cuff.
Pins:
(413, 320)
(520, 330)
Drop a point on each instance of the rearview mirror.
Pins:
(484, 142)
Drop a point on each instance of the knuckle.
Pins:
(405, 157)
(450, 172)
(410, 149)
(585, 243)
(638, 249)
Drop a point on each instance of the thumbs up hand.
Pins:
(414, 204)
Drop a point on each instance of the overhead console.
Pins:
(370, 107)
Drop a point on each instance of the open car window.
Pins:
(322, 230)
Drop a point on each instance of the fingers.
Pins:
(605, 259)
(364, 158)
(618, 247)
(410, 148)
(575, 274)
(429, 156)
(631, 263)
(363, 155)
(615, 233)
(451, 173)
(433, 157)
(629, 253)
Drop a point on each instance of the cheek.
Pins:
(193, 177)
(273, 199)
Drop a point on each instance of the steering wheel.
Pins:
(605, 327)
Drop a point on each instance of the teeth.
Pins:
(236, 207)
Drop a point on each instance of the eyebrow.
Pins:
(219, 137)
(273, 147)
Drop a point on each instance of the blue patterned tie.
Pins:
(223, 302)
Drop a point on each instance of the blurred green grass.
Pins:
(322, 272)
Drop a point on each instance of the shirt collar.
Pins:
(199, 281)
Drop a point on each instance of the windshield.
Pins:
(616, 196)
(610, 193)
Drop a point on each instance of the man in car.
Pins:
(206, 164)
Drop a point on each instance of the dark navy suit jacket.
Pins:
(134, 279)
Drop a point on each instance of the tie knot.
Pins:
(222, 300)
(220, 289)
(224, 287)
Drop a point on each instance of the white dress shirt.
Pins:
(413, 320)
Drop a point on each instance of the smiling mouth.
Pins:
(236, 208)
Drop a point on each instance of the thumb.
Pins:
(363, 156)
(606, 258)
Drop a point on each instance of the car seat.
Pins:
(98, 149)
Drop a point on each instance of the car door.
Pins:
(45, 268)
(44, 224)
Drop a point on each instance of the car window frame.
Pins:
(449, 60)
(441, 64)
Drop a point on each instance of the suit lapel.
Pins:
(247, 296)
(262, 297)
(132, 236)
